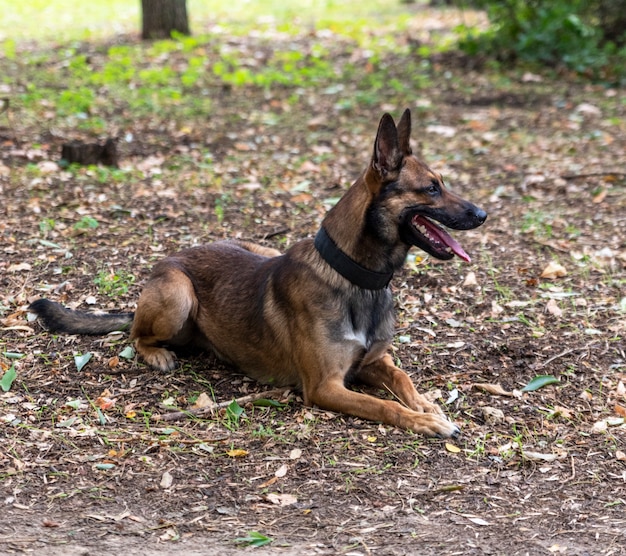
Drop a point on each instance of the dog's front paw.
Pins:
(451, 430)
(422, 404)
(430, 424)
(434, 408)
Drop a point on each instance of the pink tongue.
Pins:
(440, 235)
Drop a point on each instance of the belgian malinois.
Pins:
(319, 317)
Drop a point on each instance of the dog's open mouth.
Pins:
(435, 240)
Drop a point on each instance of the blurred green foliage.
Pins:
(585, 36)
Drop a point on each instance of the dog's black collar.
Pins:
(349, 269)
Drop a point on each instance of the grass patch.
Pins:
(65, 20)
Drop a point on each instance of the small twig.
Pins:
(573, 470)
(591, 175)
(393, 394)
(564, 353)
(197, 411)
(446, 489)
(557, 356)
(276, 233)
(551, 246)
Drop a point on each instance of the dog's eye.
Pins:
(433, 189)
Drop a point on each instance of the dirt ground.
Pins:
(86, 465)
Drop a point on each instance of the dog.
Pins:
(319, 317)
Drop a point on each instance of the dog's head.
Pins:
(408, 197)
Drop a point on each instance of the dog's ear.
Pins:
(404, 133)
(387, 155)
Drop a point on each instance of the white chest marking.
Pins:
(358, 336)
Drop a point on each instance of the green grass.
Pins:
(65, 20)
(83, 82)
(114, 284)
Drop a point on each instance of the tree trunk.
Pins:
(161, 17)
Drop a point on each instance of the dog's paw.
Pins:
(447, 429)
(452, 431)
(159, 358)
(433, 408)
(434, 425)
(422, 404)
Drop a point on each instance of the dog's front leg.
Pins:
(383, 374)
(331, 393)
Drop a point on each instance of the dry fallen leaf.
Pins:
(553, 308)
(620, 410)
(267, 483)
(169, 535)
(19, 267)
(104, 403)
(14, 319)
(281, 471)
(470, 280)
(479, 521)
(600, 427)
(443, 130)
(588, 108)
(203, 401)
(537, 456)
(281, 499)
(495, 389)
(560, 411)
(166, 480)
(235, 453)
(496, 309)
(296, 453)
(554, 270)
(114, 362)
(600, 196)
(48, 167)
(452, 448)
(529, 77)
(492, 415)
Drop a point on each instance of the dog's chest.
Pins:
(357, 336)
(368, 319)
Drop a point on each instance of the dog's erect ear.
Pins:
(387, 155)
(404, 133)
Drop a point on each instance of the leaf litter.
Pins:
(542, 297)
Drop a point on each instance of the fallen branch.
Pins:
(198, 411)
(591, 175)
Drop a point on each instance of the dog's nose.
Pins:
(480, 215)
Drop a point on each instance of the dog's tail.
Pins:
(57, 318)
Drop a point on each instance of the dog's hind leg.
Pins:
(383, 374)
(165, 315)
